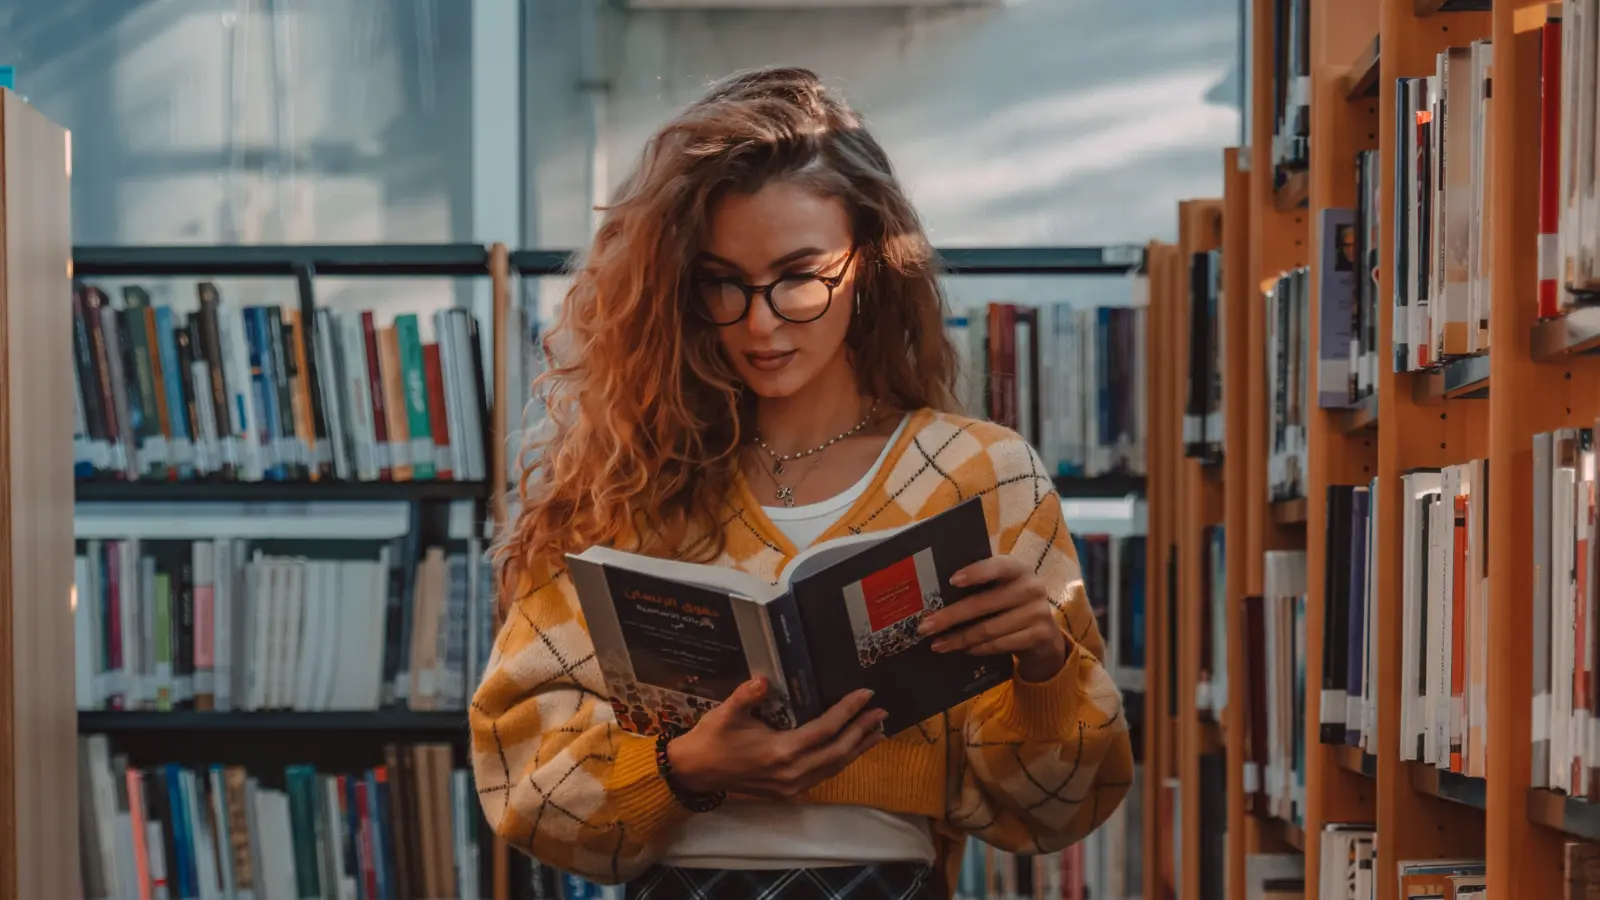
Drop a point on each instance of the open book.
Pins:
(674, 639)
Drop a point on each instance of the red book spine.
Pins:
(380, 419)
(1008, 383)
(996, 411)
(368, 851)
(433, 375)
(1550, 172)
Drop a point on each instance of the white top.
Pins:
(757, 834)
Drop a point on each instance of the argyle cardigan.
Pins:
(1027, 767)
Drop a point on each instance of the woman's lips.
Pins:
(769, 360)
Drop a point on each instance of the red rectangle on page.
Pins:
(892, 594)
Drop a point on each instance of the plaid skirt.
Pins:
(884, 881)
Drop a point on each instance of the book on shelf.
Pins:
(1445, 603)
(1106, 865)
(407, 827)
(1338, 268)
(1578, 272)
(1580, 869)
(1270, 875)
(1349, 850)
(1291, 86)
(1363, 356)
(236, 625)
(1202, 416)
(1442, 210)
(1441, 877)
(1566, 719)
(1114, 578)
(263, 393)
(675, 639)
(1274, 648)
(1288, 383)
(1211, 689)
(1348, 713)
(1069, 379)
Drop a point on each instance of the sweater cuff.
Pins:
(1039, 712)
(643, 800)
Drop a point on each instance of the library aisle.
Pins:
(1373, 490)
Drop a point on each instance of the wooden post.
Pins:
(38, 717)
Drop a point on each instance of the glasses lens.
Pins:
(801, 299)
(722, 302)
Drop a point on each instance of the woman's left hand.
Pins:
(1012, 614)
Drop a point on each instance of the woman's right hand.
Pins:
(730, 750)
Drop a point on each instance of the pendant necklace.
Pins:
(785, 493)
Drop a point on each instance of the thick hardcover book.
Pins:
(674, 639)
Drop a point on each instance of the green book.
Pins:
(409, 336)
(302, 784)
(163, 629)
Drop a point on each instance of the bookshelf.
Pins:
(38, 821)
(1540, 376)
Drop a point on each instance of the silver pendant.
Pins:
(786, 495)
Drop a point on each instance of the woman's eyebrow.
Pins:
(792, 256)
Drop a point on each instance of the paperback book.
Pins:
(674, 639)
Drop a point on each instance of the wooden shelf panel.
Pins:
(1290, 512)
(1532, 16)
(434, 725)
(1574, 333)
(1459, 379)
(1355, 760)
(1293, 193)
(1072, 487)
(1285, 832)
(280, 491)
(1362, 78)
(1362, 417)
(1568, 815)
(1448, 786)
(1433, 7)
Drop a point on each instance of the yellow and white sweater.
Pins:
(1026, 767)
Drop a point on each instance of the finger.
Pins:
(857, 750)
(1017, 620)
(836, 757)
(747, 696)
(1020, 642)
(967, 609)
(824, 727)
(844, 746)
(996, 568)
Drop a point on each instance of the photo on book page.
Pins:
(887, 606)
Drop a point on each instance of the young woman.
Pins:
(752, 358)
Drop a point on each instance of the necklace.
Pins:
(785, 493)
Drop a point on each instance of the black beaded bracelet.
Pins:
(695, 803)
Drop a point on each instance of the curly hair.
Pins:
(645, 413)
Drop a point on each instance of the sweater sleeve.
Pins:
(1044, 763)
(557, 777)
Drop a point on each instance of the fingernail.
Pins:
(958, 579)
(940, 646)
(925, 627)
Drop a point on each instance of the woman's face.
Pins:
(781, 234)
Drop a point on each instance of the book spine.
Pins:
(414, 387)
(794, 656)
(210, 347)
(255, 324)
(380, 416)
(438, 416)
(1549, 254)
(280, 343)
(172, 378)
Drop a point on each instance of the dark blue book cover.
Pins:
(674, 639)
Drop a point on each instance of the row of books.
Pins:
(1114, 578)
(407, 828)
(1203, 421)
(228, 625)
(1348, 715)
(1275, 657)
(1569, 183)
(1566, 611)
(1288, 383)
(1347, 256)
(1445, 600)
(1069, 379)
(1106, 865)
(263, 393)
(1291, 86)
(1348, 870)
(1442, 214)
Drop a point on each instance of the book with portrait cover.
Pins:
(674, 639)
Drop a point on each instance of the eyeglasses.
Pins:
(797, 299)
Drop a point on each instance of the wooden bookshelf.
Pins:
(38, 754)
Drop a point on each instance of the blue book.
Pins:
(182, 834)
(256, 330)
(172, 381)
